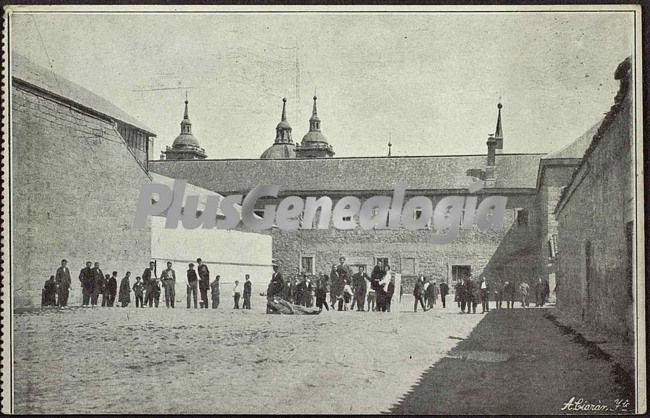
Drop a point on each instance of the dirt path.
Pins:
(114, 360)
(524, 362)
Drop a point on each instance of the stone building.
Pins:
(76, 165)
(596, 222)
(519, 251)
(525, 249)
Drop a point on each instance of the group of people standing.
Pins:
(426, 291)
(147, 288)
(470, 293)
(347, 291)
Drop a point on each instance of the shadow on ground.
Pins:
(521, 361)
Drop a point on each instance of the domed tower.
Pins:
(283, 147)
(185, 146)
(314, 144)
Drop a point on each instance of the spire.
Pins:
(186, 114)
(389, 147)
(283, 129)
(498, 133)
(314, 121)
(284, 109)
(185, 146)
(186, 125)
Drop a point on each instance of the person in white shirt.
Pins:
(485, 296)
(347, 295)
(236, 294)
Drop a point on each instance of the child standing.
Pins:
(138, 290)
(347, 295)
(236, 294)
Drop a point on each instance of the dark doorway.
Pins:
(460, 272)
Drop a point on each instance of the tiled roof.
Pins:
(45, 79)
(577, 148)
(513, 171)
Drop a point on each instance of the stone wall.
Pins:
(555, 176)
(510, 253)
(593, 218)
(73, 195)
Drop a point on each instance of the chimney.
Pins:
(490, 175)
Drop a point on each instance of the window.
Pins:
(384, 260)
(552, 246)
(460, 272)
(522, 217)
(347, 218)
(307, 264)
(408, 266)
(259, 212)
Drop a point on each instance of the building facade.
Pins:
(596, 223)
(77, 166)
(74, 181)
(525, 249)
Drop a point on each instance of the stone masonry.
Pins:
(74, 184)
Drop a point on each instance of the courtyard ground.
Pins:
(522, 361)
(118, 360)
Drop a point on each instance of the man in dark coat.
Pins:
(105, 295)
(444, 291)
(248, 291)
(360, 287)
(389, 294)
(460, 294)
(63, 282)
(377, 274)
(204, 282)
(498, 294)
(192, 285)
(147, 279)
(470, 296)
(98, 284)
(86, 277)
(48, 295)
(125, 291)
(276, 285)
(111, 288)
(418, 291)
(468, 290)
(214, 292)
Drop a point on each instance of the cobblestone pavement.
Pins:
(118, 360)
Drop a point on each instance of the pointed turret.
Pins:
(283, 147)
(498, 132)
(185, 146)
(314, 143)
(283, 129)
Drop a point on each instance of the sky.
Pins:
(428, 82)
